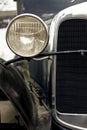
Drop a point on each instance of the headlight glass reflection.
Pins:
(27, 35)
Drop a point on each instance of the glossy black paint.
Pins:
(11, 82)
(47, 9)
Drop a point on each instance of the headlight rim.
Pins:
(29, 15)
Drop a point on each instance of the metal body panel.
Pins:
(13, 85)
(47, 9)
(68, 120)
(40, 69)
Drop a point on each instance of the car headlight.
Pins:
(27, 35)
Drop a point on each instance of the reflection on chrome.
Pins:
(72, 1)
(69, 120)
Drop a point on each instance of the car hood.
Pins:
(47, 9)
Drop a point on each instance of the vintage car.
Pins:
(46, 81)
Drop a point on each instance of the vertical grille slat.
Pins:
(71, 75)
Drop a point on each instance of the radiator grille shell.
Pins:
(71, 74)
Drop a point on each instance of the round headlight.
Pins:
(27, 35)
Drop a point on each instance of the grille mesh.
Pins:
(71, 81)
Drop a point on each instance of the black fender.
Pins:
(15, 88)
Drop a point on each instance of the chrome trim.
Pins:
(72, 121)
(42, 58)
(28, 15)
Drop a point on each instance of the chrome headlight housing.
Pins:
(27, 35)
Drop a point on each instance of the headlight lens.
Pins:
(27, 35)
